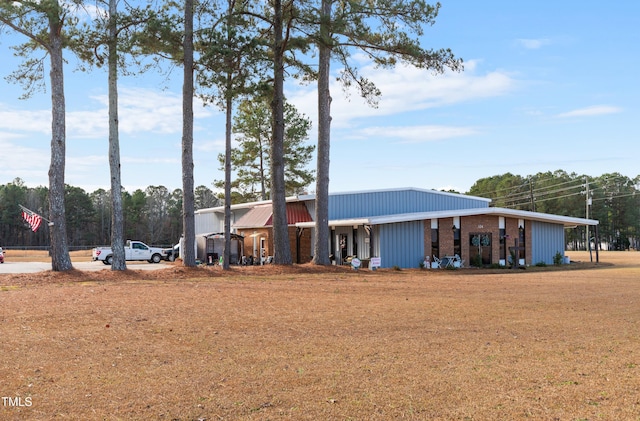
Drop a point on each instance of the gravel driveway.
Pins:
(31, 267)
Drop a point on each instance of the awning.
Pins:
(567, 221)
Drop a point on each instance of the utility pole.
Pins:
(533, 203)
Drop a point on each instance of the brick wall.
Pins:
(477, 224)
(305, 243)
(248, 241)
(480, 224)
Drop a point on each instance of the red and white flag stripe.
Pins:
(33, 219)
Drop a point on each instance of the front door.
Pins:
(480, 248)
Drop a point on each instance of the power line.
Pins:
(515, 205)
(542, 191)
(526, 183)
(517, 197)
(616, 197)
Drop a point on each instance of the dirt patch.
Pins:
(324, 343)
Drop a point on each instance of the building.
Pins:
(253, 222)
(403, 228)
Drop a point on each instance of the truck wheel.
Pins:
(108, 260)
(172, 257)
(156, 258)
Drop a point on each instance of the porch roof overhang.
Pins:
(567, 221)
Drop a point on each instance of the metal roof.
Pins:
(288, 199)
(438, 192)
(312, 197)
(215, 235)
(262, 216)
(406, 217)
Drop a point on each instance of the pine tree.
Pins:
(44, 23)
(251, 158)
(383, 31)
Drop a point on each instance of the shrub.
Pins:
(476, 261)
(557, 259)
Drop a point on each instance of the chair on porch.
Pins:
(437, 263)
(458, 262)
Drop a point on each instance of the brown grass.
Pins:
(304, 343)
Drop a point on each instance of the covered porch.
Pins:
(349, 239)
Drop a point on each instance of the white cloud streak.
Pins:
(20, 161)
(415, 134)
(533, 44)
(139, 111)
(595, 110)
(404, 89)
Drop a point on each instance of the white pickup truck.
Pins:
(133, 250)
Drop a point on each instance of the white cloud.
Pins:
(142, 110)
(139, 111)
(17, 120)
(404, 89)
(533, 44)
(150, 160)
(88, 12)
(591, 111)
(28, 163)
(414, 134)
(210, 146)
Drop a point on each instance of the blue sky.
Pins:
(547, 85)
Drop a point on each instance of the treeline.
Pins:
(152, 215)
(228, 53)
(612, 199)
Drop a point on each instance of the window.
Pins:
(457, 246)
(521, 243)
(435, 243)
(354, 243)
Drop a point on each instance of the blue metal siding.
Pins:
(390, 202)
(547, 239)
(401, 244)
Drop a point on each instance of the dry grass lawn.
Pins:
(304, 343)
(43, 255)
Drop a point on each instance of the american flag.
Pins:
(33, 219)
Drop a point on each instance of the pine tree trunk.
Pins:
(117, 216)
(227, 181)
(282, 251)
(188, 201)
(321, 242)
(226, 254)
(60, 259)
